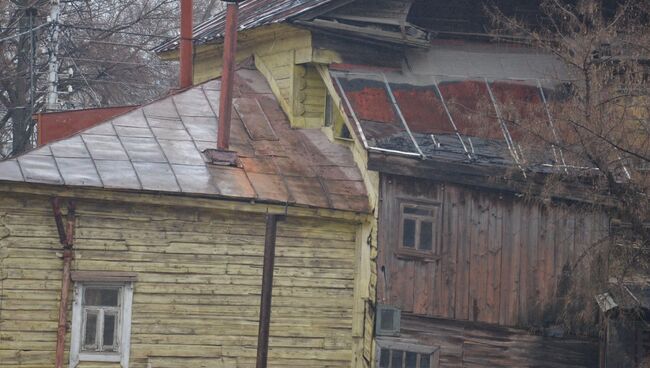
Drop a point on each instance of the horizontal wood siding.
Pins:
(469, 344)
(196, 301)
(501, 259)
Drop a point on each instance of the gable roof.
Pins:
(252, 14)
(158, 148)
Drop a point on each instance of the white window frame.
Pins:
(124, 323)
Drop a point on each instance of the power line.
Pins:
(23, 33)
(106, 61)
(113, 31)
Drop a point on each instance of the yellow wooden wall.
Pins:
(196, 301)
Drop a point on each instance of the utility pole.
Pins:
(20, 117)
(53, 44)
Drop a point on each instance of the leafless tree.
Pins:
(601, 114)
(105, 43)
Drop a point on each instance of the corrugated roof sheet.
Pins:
(158, 147)
(252, 14)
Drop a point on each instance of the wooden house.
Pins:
(166, 242)
(468, 267)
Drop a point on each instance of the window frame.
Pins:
(436, 223)
(406, 346)
(123, 323)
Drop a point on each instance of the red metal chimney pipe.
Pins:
(227, 76)
(187, 47)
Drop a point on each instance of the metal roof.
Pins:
(464, 104)
(252, 14)
(158, 148)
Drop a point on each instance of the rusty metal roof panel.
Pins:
(159, 148)
(252, 14)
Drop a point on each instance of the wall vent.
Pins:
(388, 320)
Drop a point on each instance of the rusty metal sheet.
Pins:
(270, 187)
(104, 147)
(155, 176)
(162, 152)
(71, 147)
(195, 179)
(249, 82)
(260, 165)
(181, 152)
(345, 187)
(39, 169)
(294, 166)
(118, 174)
(307, 191)
(78, 171)
(9, 170)
(255, 121)
(143, 150)
(232, 181)
(193, 103)
(354, 203)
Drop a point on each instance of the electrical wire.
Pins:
(23, 33)
(113, 31)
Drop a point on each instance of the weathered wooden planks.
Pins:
(468, 344)
(196, 301)
(501, 259)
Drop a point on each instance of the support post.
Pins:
(267, 289)
(53, 72)
(66, 236)
(227, 75)
(187, 47)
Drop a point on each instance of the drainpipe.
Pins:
(227, 76)
(66, 237)
(187, 47)
(267, 289)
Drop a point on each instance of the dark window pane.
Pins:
(384, 358)
(411, 360)
(408, 238)
(425, 361)
(97, 296)
(426, 235)
(387, 319)
(329, 111)
(109, 331)
(90, 334)
(396, 361)
(418, 211)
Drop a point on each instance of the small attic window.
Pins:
(334, 119)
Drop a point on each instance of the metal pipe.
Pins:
(187, 47)
(227, 76)
(67, 240)
(267, 289)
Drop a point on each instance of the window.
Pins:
(394, 353)
(419, 228)
(101, 320)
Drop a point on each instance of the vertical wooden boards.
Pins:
(501, 260)
(495, 253)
